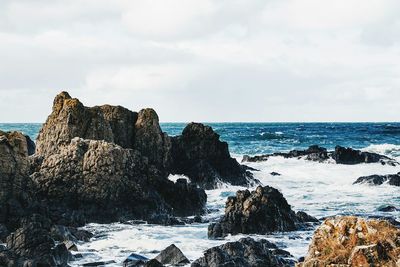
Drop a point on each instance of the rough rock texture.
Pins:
(199, 154)
(340, 155)
(172, 255)
(353, 241)
(32, 244)
(70, 118)
(14, 182)
(244, 253)
(262, 211)
(107, 182)
(391, 179)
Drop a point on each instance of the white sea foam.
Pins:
(321, 189)
(385, 149)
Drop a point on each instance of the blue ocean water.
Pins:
(258, 138)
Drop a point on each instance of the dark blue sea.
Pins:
(258, 138)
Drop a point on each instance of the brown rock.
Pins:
(353, 241)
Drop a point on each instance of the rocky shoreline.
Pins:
(107, 164)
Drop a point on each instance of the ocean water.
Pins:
(320, 189)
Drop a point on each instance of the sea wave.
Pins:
(389, 150)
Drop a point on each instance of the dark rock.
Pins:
(3, 233)
(388, 208)
(247, 158)
(262, 211)
(351, 156)
(98, 263)
(275, 174)
(391, 179)
(200, 155)
(71, 246)
(153, 263)
(172, 255)
(135, 260)
(30, 145)
(244, 253)
(304, 217)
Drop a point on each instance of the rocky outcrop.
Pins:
(391, 179)
(70, 118)
(107, 182)
(14, 182)
(340, 155)
(262, 211)
(353, 241)
(245, 253)
(172, 255)
(199, 154)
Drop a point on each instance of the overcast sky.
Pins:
(204, 60)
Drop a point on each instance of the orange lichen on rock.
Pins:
(354, 241)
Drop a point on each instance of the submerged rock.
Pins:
(244, 253)
(172, 255)
(353, 241)
(200, 155)
(262, 211)
(388, 208)
(391, 179)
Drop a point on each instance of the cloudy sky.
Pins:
(204, 60)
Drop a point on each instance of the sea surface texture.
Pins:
(320, 189)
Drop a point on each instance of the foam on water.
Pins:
(320, 189)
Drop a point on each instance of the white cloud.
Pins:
(218, 60)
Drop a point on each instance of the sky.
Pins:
(204, 60)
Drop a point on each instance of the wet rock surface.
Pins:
(262, 211)
(354, 241)
(391, 179)
(172, 255)
(244, 253)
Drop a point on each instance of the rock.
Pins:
(14, 169)
(33, 241)
(109, 183)
(244, 253)
(262, 211)
(275, 174)
(62, 233)
(391, 179)
(153, 263)
(340, 155)
(3, 233)
(351, 156)
(98, 263)
(71, 246)
(135, 260)
(200, 155)
(354, 241)
(70, 118)
(304, 217)
(30, 145)
(173, 256)
(388, 208)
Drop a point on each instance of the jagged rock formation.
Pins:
(340, 155)
(262, 211)
(391, 179)
(14, 181)
(199, 154)
(353, 241)
(172, 255)
(244, 253)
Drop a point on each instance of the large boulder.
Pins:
(262, 211)
(14, 182)
(244, 253)
(199, 154)
(353, 241)
(391, 179)
(107, 182)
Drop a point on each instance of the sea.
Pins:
(320, 189)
